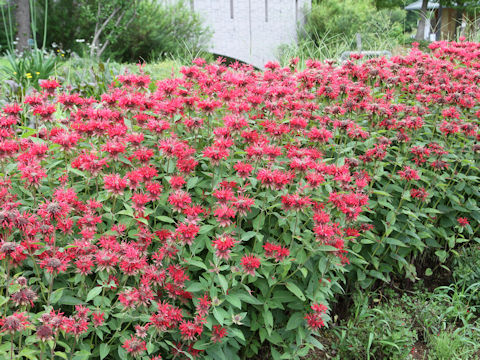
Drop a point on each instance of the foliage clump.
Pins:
(218, 213)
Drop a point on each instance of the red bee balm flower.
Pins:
(409, 174)
(115, 184)
(223, 246)
(218, 333)
(250, 263)
(135, 346)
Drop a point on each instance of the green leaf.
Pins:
(104, 351)
(122, 353)
(391, 217)
(195, 287)
(377, 274)
(165, 219)
(247, 298)
(295, 290)
(275, 354)
(56, 295)
(396, 242)
(234, 300)
(295, 321)
(248, 235)
(223, 282)
(192, 182)
(259, 221)
(93, 293)
(381, 193)
(196, 263)
(28, 353)
(218, 315)
(70, 300)
(236, 333)
(442, 255)
(128, 212)
(205, 229)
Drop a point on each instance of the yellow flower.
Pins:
(37, 73)
(14, 73)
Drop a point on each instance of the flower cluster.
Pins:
(167, 218)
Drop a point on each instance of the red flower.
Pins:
(463, 221)
(420, 193)
(225, 215)
(14, 323)
(190, 330)
(409, 174)
(315, 319)
(223, 246)
(115, 184)
(98, 318)
(55, 263)
(250, 263)
(134, 346)
(218, 333)
(243, 169)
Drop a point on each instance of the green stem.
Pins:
(73, 349)
(50, 288)
(11, 347)
(45, 22)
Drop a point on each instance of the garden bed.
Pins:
(222, 213)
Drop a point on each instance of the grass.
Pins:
(84, 75)
(442, 323)
(331, 47)
(431, 325)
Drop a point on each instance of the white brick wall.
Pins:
(248, 36)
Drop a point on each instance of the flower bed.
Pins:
(207, 215)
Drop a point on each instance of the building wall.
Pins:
(251, 30)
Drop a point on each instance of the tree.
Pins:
(107, 18)
(423, 20)
(389, 4)
(162, 30)
(22, 18)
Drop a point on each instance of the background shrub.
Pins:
(339, 21)
(162, 31)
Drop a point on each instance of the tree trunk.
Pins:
(423, 20)
(22, 17)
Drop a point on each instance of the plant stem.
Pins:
(11, 347)
(73, 349)
(50, 288)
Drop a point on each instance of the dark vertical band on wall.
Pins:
(266, 10)
(296, 11)
(250, 23)
(231, 9)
